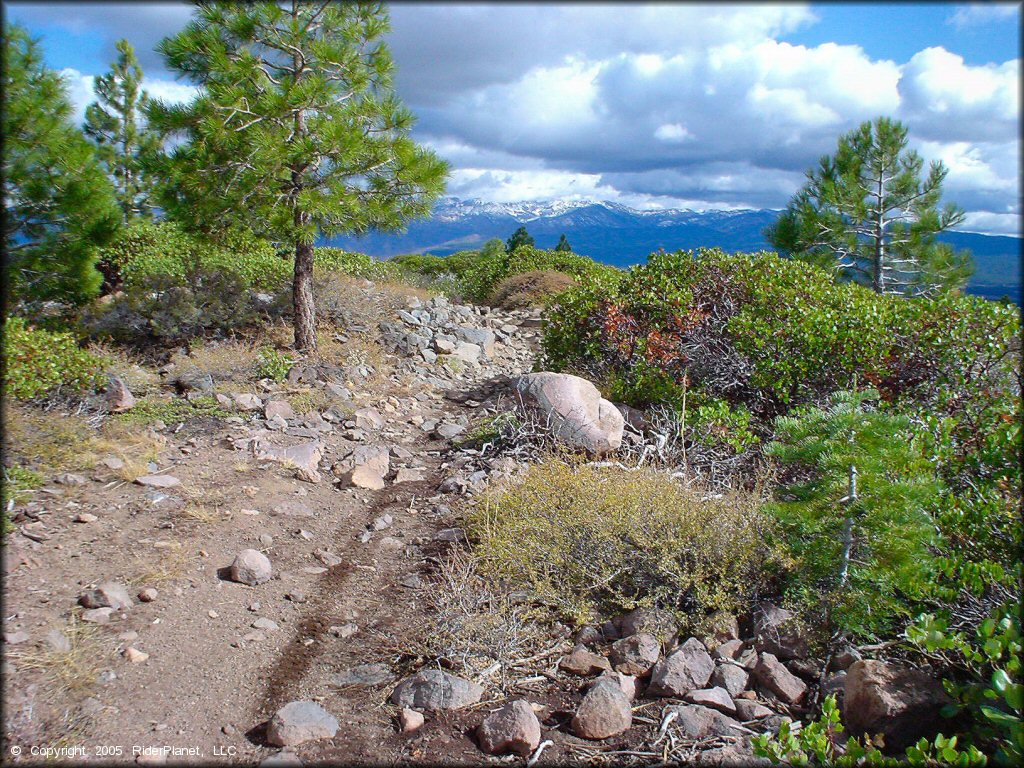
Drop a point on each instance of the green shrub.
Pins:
(593, 541)
(150, 410)
(354, 264)
(271, 364)
(38, 362)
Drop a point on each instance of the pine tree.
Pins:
(855, 508)
(563, 245)
(59, 206)
(122, 137)
(297, 131)
(519, 238)
(867, 214)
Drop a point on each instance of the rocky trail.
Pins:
(269, 592)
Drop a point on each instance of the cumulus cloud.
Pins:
(978, 14)
(80, 90)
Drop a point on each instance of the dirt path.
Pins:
(212, 679)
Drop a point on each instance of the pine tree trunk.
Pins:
(302, 299)
(878, 271)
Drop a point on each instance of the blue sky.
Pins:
(664, 105)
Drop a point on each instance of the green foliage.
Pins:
(123, 140)
(271, 364)
(563, 244)
(519, 239)
(596, 541)
(354, 264)
(326, 144)
(17, 482)
(862, 542)
(867, 214)
(58, 204)
(819, 743)
(38, 362)
(150, 410)
(992, 696)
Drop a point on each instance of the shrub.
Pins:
(530, 289)
(38, 362)
(591, 541)
(479, 281)
(150, 410)
(271, 364)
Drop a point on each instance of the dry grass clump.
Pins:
(591, 541)
(227, 360)
(46, 441)
(530, 289)
(67, 673)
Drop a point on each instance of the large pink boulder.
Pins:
(574, 410)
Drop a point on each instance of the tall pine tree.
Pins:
(297, 131)
(123, 138)
(59, 206)
(868, 214)
(519, 238)
(563, 245)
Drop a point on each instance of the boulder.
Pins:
(776, 632)
(574, 409)
(119, 397)
(481, 337)
(730, 649)
(303, 456)
(366, 467)
(901, 703)
(431, 689)
(732, 677)
(604, 712)
(584, 662)
(776, 678)
(715, 698)
(636, 654)
(280, 408)
(467, 353)
(251, 567)
(193, 380)
(246, 401)
(513, 728)
(107, 595)
(697, 722)
(300, 721)
(687, 668)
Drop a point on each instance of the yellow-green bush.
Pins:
(37, 362)
(594, 541)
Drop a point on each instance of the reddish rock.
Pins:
(732, 677)
(584, 662)
(604, 712)
(119, 397)
(751, 710)
(901, 703)
(715, 698)
(696, 722)
(730, 649)
(513, 728)
(636, 654)
(685, 669)
(779, 680)
(776, 632)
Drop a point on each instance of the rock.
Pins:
(364, 675)
(193, 380)
(844, 659)
(776, 678)
(636, 654)
(158, 481)
(299, 722)
(808, 669)
(344, 631)
(410, 720)
(16, 638)
(119, 398)
(134, 655)
(112, 463)
(715, 698)
(278, 409)
(381, 523)
(251, 567)
(604, 712)
(835, 683)
(575, 410)
(584, 662)
(366, 467)
(265, 623)
(626, 682)
(731, 677)
(653, 621)
(588, 635)
(368, 418)
(697, 722)
(57, 641)
(292, 508)
(728, 650)
(148, 595)
(481, 337)
(409, 475)
(751, 710)
(513, 728)
(776, 632)
(304, 455)
(69, 478)
(85, 517)
(107, 595)
(97, 615)
(246, 401)
(431, 689)
(901, 703)
(685, 669)
(329, 559)
(443, 346)
(448, 431)
(467, 353)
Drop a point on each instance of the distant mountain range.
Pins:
(616, 234)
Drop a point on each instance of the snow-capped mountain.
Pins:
(619, 235)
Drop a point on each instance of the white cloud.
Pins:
(80, 90)
(990, 223)
(978, 14)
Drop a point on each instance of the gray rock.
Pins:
(282, 759)
(367, 466)
(730, 649)
(513, 728)
(246, 401)
(16, 638)
(278, 408)
(119, 397)
(158, 481)
(697, 722)
(715, 698)
(193, 380)
(304, 455)
(109, 594)
(481, 337)
(604, 712)
(751, 710)
(69, 478)
(367, 675)
(432, 689)
(844, 659)
(731, 677)
(251, 567)
(299, 722)
(368, 418)
(776, 678)
(449, 431)
(583, 662)
(776, 632)
(685, 669)
(574, 408)
(264, 623)
(636, 654)
(97, 615)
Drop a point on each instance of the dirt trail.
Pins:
(209, 685)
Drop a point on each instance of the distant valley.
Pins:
(622, 236)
